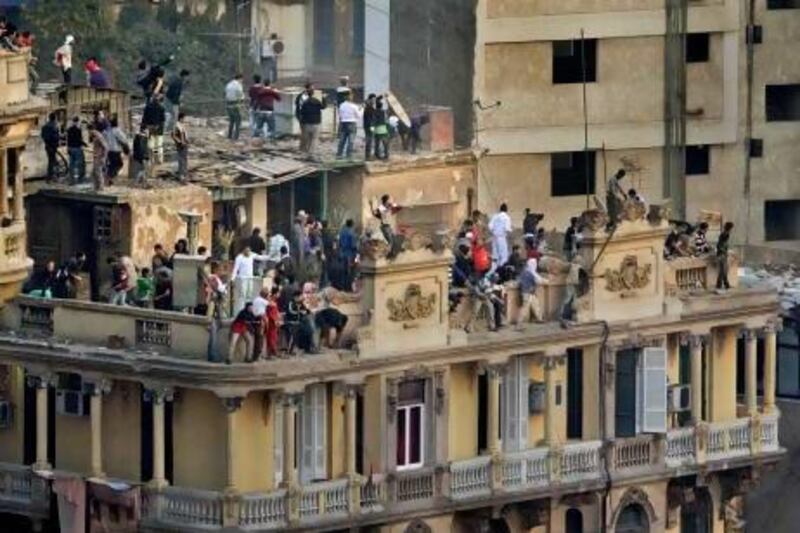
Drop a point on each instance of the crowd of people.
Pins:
(686, 240)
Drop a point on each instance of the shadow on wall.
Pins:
(442, 46)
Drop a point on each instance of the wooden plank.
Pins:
(398, 109)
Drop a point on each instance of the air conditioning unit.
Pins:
(70, 402)
(537, 397)
(6, 414)
(679, 398)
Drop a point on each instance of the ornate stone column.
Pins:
(550, 437)
(351, 396)
(770, 354)
(696, 343)
(4, 181)
(158, 396)
(98, 389)
(232, 405)
(42, 384)
(750, 358)
(289, 452)
(495, 378)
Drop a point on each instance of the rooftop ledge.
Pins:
(170, 345)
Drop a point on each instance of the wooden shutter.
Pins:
(314, 407)
(277, 443)
(515, 400)
(654, 390)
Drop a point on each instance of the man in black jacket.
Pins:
(369, 123)
(140, 155)
(51, 137)
(75, 145)
(153, 118)
(310, 119)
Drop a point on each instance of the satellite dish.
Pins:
(278, 47)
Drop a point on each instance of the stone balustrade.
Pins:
(22, 491)
(538, 469)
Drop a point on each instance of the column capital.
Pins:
(42, 380)
(232, 403)
(158, 393)
(290, 399)
(552, 362)
(491, 369)
(773, 326)
(694, 340)
(97, 386)
(749, 334)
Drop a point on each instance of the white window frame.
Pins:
(651, 377)
(408, 408)
(515, 418)
(313, 455)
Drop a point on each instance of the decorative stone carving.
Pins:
(659, 214)
(553, 265)
(418, 526)
(374, 249)
(629, 276)
(417, 240)
(632, 210)
(594, 219)
(412, 306)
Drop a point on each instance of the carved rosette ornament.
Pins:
(412, 306)
(633, 210)
(417, 240)
(629, 276)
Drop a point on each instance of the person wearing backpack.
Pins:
(63, 59)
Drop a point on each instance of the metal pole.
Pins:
(585, 119)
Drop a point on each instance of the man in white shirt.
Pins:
(234, 97)
(500, 227)
(349, 116)
(243, 278)
(64, 59)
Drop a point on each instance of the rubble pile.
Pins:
(783, 278)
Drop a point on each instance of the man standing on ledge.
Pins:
(722, 258)
(500, 227)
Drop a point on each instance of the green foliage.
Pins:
(141, 30)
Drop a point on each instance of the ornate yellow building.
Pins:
(19, 112)
(628, 420)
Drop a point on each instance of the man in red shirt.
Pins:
(262, 101)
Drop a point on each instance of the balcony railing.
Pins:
(22, 491)
(342, 501)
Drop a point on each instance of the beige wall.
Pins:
(526, 8)
(199, 440)
(463, 416)
(252, 469)
(536, 422)
(73, 443)
(121, 431)
(591, 392)
(374, 416)
(12, 388)
(337, 437)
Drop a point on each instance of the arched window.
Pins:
(573, 521)
(633, 519)
(696, 516)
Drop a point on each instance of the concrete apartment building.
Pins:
(739, 112)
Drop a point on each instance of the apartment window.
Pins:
(782, 220)
(756, 148)
(783, 103)
(515, 411)
(698, 160)
(697, 47)
(783, 4)
(572, 173)
(411, 424)
(641, 392)
(574, 393)
(313, 424)
(359, 19)
(568, 61)
(573, 521)
(70, 396)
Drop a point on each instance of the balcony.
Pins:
(23, 492)
(14, 263)
(14, 89)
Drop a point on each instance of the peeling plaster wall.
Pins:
(155, 219)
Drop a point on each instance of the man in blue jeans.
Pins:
(349, 115)
(75, 145)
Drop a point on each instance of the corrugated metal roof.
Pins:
(276, 170)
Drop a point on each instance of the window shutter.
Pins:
(320, 399)
(277, 444)
(515, 400)
(307, 436)
(654, 390)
